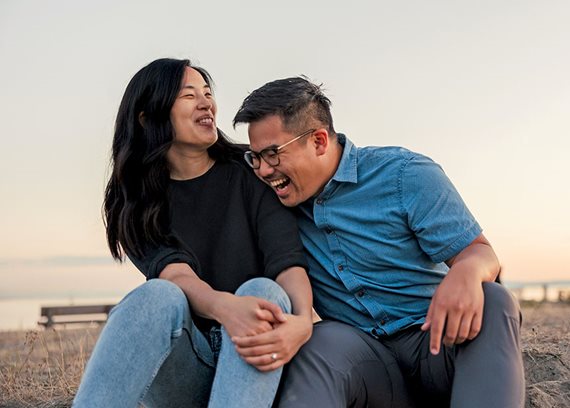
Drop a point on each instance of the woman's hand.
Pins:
(247, 315)
(273, 349)
(240, 315)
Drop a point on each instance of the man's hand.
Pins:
(277, 347)
(457, 308)
(457, 304)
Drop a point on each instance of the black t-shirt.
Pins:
(232, 228)
(235, 226)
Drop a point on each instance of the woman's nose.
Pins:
(205, 103)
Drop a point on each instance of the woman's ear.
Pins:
(141, 119)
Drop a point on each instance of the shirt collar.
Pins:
(347, 167)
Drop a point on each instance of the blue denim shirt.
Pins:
(377, 237)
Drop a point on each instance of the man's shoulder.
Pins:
(389, 151)
(387, 156)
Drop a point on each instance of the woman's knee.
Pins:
(266, 289)
(157, 297)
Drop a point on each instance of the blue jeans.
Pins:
(151, 353)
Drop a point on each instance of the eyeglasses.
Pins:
(271, 154)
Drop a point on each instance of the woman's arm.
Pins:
(285, 261)
(156, 258)
(240, 315)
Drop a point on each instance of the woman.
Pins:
(227, 257)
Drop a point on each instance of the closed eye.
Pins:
(269, 153)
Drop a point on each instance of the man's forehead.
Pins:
(266, 132)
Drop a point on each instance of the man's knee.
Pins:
(343, 366)
(342, 348)
(499, 299)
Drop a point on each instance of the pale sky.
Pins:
(482, 87)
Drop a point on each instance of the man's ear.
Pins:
(141, 119)
(321, 141)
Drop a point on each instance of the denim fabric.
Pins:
(238, 384)
(151, 353)
(378, 235)
(215, 341)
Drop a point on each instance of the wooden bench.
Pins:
(51, 315)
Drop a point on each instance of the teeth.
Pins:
(278, 182)
(205, 121)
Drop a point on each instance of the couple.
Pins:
(400, 271)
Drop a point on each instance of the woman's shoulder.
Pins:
(239, 170)
(240, 175)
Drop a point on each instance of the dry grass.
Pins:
(546, 354)
(43, 368)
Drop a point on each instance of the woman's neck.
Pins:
(186, 165)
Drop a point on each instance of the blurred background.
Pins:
(481, 87)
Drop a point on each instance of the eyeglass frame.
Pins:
(249, 155)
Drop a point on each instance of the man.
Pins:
(398, 266)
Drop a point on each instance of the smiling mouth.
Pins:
(280, 183)
(206, 121)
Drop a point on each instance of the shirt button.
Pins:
(340, 268)
(374, 332)
(328, 230)
(319, 201)
(360, 293)
(382, 322)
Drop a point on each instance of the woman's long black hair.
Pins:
(135, 208)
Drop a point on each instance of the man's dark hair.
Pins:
(298, 102)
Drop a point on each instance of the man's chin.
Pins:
(287, 201)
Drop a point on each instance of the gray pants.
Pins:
(342, 366)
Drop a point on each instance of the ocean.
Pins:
(23, 314)
(26, 286)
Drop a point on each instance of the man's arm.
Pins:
(457, 304)
(287, 337)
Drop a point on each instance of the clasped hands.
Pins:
(263, 335)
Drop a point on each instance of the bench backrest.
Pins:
(75, 310)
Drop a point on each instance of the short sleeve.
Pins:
(436, 213)
(156, 258)
(277, 232)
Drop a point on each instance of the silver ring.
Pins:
(274, 356)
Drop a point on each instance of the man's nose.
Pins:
(264, 170)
